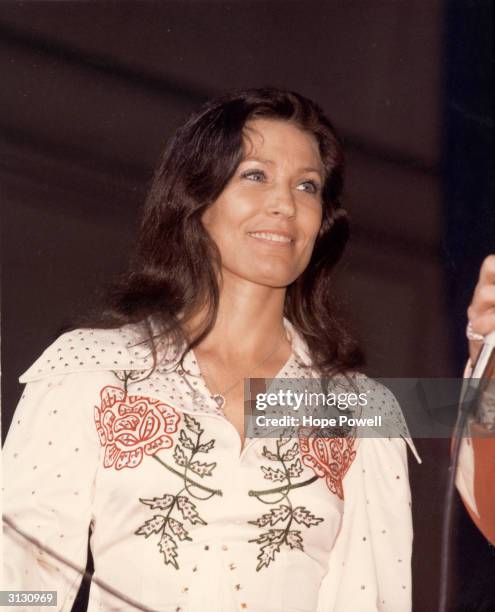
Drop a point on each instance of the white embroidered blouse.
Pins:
(182, 520)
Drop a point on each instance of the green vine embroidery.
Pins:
(285, 516)
(128, 377)
(178, 510)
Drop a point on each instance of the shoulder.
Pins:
(380, 407)
(92, 350)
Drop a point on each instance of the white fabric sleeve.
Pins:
(49, 465)
(370, 564)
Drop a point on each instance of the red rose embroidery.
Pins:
(329, 458)
(129, 425)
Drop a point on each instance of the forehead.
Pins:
(281, 138)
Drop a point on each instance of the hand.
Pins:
(481, 310)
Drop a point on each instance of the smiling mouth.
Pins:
(271, 237)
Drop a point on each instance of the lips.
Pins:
(281, 238)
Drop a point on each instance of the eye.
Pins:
(254, 175)
(309, 187)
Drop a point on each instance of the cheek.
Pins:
(227, 212)
(220, 222)
(210, 218)
(215, 221)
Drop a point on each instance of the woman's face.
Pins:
(266, 220)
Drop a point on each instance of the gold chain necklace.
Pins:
(219, 398)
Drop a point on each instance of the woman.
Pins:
(144, 441)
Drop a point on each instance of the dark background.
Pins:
(92, 91)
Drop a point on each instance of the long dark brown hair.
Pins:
(175, 267)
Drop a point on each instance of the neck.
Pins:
(249, 321)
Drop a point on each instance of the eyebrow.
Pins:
(269, 161)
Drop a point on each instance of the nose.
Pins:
(282, 202)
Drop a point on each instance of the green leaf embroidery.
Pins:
(179, 456)
(269, 455)
(291, 453)
(152, 525)
(296, 469)
(168, 547)
(185, 440)
(274, 475)
(294, 539)
(188, 511)
(160, 503)
(205, 448)
(192, 424)
(304, 517)
(272, 535)
(202, 469)
(178, 529)
(274, 516)
(267, 555)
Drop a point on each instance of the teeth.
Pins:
(269, 236)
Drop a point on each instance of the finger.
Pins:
(472, 313)
(487, 271)
(483, 299)
(484, 324)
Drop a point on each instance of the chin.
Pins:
(276, 275)
(274, 279)
(273, 283)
